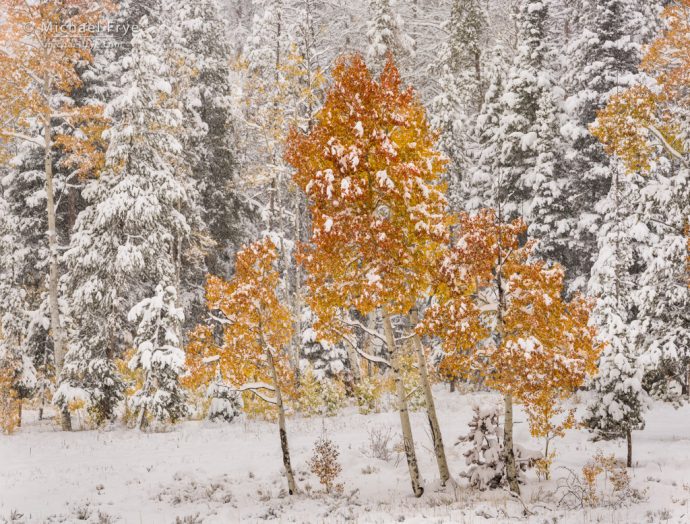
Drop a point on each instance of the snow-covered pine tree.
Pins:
(485, 457)
(479, 184)
(129, 238)
(619, 400)
(664, 295)
(602, 59)
(525, 139)
(460, 93)
(226, 402)
(24, 310)
(160, 356)
(203, 58)
(386, 34)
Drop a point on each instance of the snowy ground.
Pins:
(232, 473)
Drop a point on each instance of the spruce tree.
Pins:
(160, 356)
(619, 400)
(603, 59)
(386, 34)
(131, 236)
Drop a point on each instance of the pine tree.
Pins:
(647, 129)
(44, 68)
(203, 72)
(602, 60)
(131, 236)
(455, 107)
(525, 137)
(386, 34)
(159, 355)
(619, 399)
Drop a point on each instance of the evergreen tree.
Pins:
(386, 34)
(206, 92)
(619, 400)
(455, 107)
(160, 356)
(603, 59)
(519, 163)
(131, 236)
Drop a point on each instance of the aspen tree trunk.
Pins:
(54, 277)
(297, 337)
(371, 324)
(628, 438)
(408, 440)
(436, 436)
(19, 413)
(508, 447)
(292, 487)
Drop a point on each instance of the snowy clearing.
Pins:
(219, 473)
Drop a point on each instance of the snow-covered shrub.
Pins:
(324, 464)
(485, 456)
(226, 403)
(379, 445)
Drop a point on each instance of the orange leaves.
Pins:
(253, 322)
(500, 314)
(41, 46)
(371, 172)
(641, 121)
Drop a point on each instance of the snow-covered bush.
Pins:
(226, 404)
(485, 456)
(368, 393)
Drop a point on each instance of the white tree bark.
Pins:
(408, 440)
(292, 486)
(508, 446)
(56, 329)
(436, 436)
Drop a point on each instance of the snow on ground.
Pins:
(232, 473)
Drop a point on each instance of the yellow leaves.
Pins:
(371, 172)
(41, 46)
(500, 314)
(640, 123)
(253, 322)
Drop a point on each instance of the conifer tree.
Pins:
(619, 400)
(386, 34)
(603, 59)
(516, 166)
(371, 173)
(455, 107)
(160, 356)
(43, 66)
(131, 236)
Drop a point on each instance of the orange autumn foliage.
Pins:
(638, 120)
(500, 315)
(42, 44)
(254, 322)
(371, 171)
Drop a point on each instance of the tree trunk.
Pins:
(628, 437)
(452, 385)
(508, 449)
(436, 435)
(292, 486)
(368, 346)
(54, 277)
(19, 413)
(408, 440)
